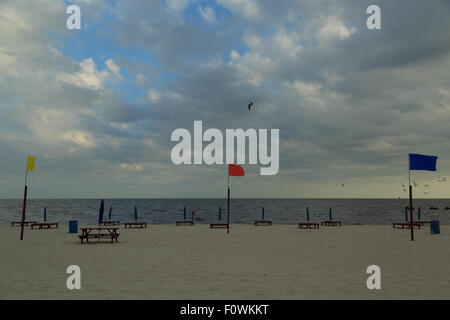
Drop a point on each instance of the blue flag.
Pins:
(422, 162)
(100, 212)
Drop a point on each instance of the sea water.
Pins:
(280, 211)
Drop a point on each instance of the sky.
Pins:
(97, 106)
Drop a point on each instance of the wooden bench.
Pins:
(45, 225)
(331, 223)
(406, 225)
(263, 222)
(308, 225)
(184, 223)
(25, 223)
(218, 225)
(135, 225)
(111, 223)
(87, 233)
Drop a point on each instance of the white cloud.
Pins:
(288, 43)
(141, 80)
(278, 46)
(213, 63)
(177, 5)
(305, 89)
(252, 41)
(252, 66)
(121, 126)
(131, 166)
(267, 54)
(154, 95)
(81, 138)
(8, 61)
(174, 96)
(332, 27)
(113, 67)
(89, 76)
(247, 8)
(234, 55)
(208, 14)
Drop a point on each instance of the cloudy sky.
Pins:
(97, 106)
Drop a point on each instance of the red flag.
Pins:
(235, 170)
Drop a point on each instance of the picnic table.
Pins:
(111, 223)
(407, 225)
(330, 223)
(25, 223)
(45, 225)
(218, 225)
(135, 225)
(99, 233)
(263, 222)
(308, 225)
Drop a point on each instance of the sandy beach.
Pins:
(278, 262)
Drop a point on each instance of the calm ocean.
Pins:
(280, 211)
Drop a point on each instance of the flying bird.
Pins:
(250, 105)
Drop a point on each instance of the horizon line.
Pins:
(194, 198)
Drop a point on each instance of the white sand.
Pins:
(278, 262)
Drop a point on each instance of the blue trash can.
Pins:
(434, 227)
(73, 226)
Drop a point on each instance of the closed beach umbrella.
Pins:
(406, 214)
(262, 215)
(307, 214)
(184, 213)
(45, 214)
(220, 213)
(135, 213)
(330, 215)
(418, 213)
(109, 216)
(100, 212)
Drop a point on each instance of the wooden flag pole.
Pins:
(410, 199)
(228, 218)
(411, 213)
(228, 215)
(24, 206)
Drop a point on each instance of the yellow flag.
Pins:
(30, 164)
